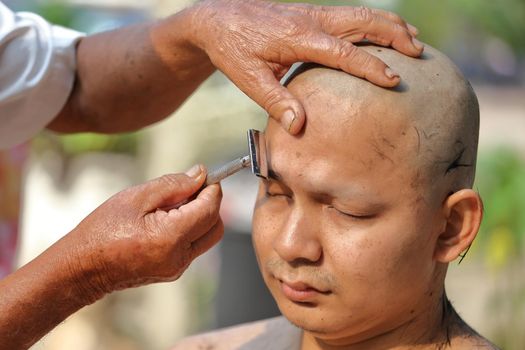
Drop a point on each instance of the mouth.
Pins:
(301, 292)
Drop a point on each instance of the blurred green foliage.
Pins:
(56, 11)
(501, 183)
(89, 142)
(440, 22)
(504, 19)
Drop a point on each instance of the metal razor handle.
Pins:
(256, 160)
(216, 175)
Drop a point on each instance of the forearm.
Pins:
(126, 242)
(42, 294)
(134, 76)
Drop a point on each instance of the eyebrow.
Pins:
(274, 175)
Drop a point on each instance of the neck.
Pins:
(434, 328)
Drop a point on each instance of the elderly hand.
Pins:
(128, 241)
(255, 42)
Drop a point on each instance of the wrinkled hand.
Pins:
(128, 241)
(255, 42)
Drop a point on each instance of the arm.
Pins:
(39, 296)
(126, 242)
(135, 76)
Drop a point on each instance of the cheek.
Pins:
(266, 223)
(384, 256)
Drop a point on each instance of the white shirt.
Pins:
(37, 71)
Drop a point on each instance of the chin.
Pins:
(330, 325)
(311, 318)
(328, 329)
(315, 328)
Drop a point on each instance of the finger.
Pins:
(171, 189)
(413, 29)
(361, 23)
(388, 33)
(208, 240)
(350, 59)
(264, 88)
(362, 13)
(391, 16)
(198, 216)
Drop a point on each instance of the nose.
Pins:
(298, 238)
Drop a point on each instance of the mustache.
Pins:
(309, 274)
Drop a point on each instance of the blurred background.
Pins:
(58, 180)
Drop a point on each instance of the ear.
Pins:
(463, 211)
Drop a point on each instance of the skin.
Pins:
(150, 69)
(135, 76)
(109, 250)
(364, 210)
(372, 224)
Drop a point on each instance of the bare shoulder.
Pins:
(275, 333)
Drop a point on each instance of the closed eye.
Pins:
(273, 188)
(276, 194)
(352, 215)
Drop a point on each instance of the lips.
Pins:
(300, 292)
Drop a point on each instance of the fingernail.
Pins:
(194, 171)
(288, 119)
(413, 29)
(418, 44)
(390, 73)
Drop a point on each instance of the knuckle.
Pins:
(379, 40)
(363, 14)
(211, 214)
(293, 30)
(400, 33)
(307, 9)
(395, 17)
(211, 206)
(272, 97)
(368, 64)
(357, 61)
(348, 52)
(170, 180)
(398, 28)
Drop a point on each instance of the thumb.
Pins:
(286, 109)
(264, 88)
(172, 189)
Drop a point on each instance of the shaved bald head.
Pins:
(434, 102)
(363, 210)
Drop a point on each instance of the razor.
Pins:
(256, 160)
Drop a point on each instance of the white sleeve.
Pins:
(37, 71)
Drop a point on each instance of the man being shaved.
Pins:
(363, 212)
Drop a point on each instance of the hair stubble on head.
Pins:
(440, 104)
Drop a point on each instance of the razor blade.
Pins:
(256, 160)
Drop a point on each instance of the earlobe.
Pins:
(463, 211)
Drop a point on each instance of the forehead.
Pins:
(359, 146)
